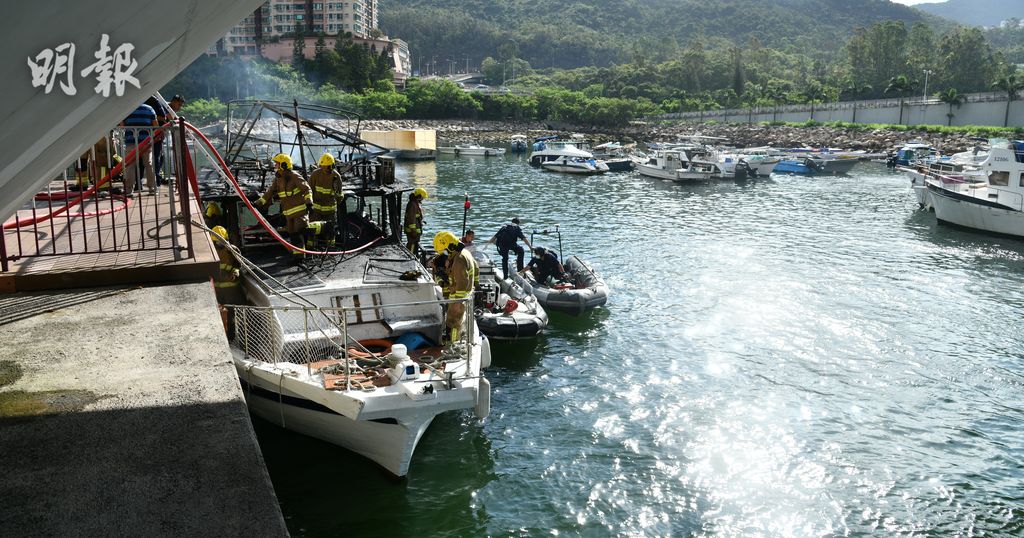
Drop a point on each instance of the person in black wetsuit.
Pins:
(507, 238)
(545, 266)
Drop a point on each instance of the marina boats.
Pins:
(943, 171)
(761, 160)
(471, 150)
(816, 165)
(920, 177)
(519, 143)
(675, 165)
(615, 156)
(575, 165)
(914, 153)
(348, 346)
(504, 310)
(551, 148)
(995, 206)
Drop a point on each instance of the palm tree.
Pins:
(952, 97)
(1010, 84)
(814, 93)
(777, 95)
(855, 90)
(901, 85)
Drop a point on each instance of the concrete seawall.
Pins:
(121, 414)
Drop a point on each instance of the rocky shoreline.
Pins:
(740, 135)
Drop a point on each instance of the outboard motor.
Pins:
(744, 171)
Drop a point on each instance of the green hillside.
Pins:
(605, 32)
(976, 12)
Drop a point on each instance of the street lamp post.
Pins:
(926, 73)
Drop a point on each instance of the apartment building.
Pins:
(279, 18)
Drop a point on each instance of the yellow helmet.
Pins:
(213, 209)
(444, 241)
(327, 159)
(284, 160)
(421, 192)
(219, 232)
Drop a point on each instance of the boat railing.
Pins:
(316, 336)
(99, 204)
(982, 191)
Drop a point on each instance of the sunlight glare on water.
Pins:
(790, 357)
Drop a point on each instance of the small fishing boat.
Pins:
(584, 291)
(575, 165)
(503, 309)
(806, 166)
(912, 154)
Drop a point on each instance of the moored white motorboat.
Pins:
(575, 165)
(477, 150)
(996, 206)
(674, 165)
(551, 148)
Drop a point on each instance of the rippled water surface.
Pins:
(791, 357)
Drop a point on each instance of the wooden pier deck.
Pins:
(129, 246)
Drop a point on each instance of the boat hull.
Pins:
(479, 152)
(565, 169)
(383, 425)
(416, 154)
(590, 293)
(838, 166)
(512, 326)
(390, 445)
(963, 210)
(619, 165)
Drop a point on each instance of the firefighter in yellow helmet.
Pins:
(226, 285)
(461, 270)
(325, 182)
(414, 220)
(295, 197)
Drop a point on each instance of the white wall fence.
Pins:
(979, 109)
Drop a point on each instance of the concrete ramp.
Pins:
(121, 415)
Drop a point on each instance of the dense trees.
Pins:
(581, 33)
(655, 76)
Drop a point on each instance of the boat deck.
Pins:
(379, 264)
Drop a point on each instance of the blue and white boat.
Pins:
(550, 148)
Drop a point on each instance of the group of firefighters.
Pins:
(314, 205)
